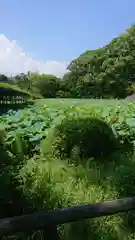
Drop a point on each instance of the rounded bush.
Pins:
(89, 136)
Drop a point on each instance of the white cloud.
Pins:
(14, 60)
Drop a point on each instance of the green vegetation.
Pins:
(11, 88)
(80, 135)
(107, 72)
(62, 152)
(15, 90)
(32, 178)
(37, 84)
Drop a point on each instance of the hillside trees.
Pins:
(105, 72)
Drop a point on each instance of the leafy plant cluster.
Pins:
(33, 179)
(27, 128)
(83, 137)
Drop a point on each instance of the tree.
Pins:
(48, 85)
(3, 78)
(22, 80)
(105, 72)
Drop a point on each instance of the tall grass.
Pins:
(51, 183)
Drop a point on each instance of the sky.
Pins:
(45, 35)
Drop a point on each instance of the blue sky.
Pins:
(61, 30)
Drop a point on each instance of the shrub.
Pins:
(87, 136)
(51, 184)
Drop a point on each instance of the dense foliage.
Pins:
(107, 72)
(3, 78)
(80, 136)
(38, 84)
(33, 124)
(31, 179)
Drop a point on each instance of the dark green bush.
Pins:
(89, 136)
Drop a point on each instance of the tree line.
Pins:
(107, 72)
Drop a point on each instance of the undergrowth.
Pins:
(32, 180)
(50, 184)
